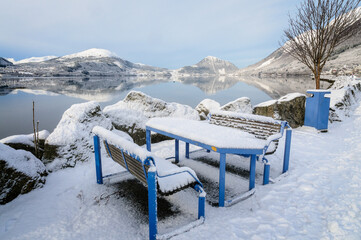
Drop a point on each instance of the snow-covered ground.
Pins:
(319, 198)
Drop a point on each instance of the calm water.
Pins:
(53, 96)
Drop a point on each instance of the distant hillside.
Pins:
(346, 59)
(209, 65)
(93, 62)
(4, 62)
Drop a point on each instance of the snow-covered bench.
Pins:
(159, 175)
(227, 132)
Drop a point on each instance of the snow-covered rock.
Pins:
(72, 140)
(345, 93)
(207, 105)
(26, 142)
(242, 105)
(20, 172)
(290, 108)
(132, 113)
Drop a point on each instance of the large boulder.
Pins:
(20, 172)
(72, 140)
(206, 106)
(26, 142)
(290, 108)
(132, 113)
(242, 105)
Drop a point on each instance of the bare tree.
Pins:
(317, 28)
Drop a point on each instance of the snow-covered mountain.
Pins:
(88, 63)
(4, 62)
(208, 66)
(34, 59)
(346, 59)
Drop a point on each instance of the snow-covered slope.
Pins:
(208, 66)
(93, 52)
(88, 63)
(35, 59)
(5, 62)
(346, 59)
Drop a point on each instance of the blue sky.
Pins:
(167, 33)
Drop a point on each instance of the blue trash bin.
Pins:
(317, 110)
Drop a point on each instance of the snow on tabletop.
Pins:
(25, 139)
(318, 90)
(163, 166)
(247, 116)
(22, 161)
(210, 134)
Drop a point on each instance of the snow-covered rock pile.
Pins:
(26, 142)
(71, 141)
(132, 113)
(242, 105)
(206, 106)
(20, 172)
(290, 108)
(345, 92)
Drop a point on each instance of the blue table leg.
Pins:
(252, 172)
(176, 151)
(187, 150)
(222, 179)
(148, 139)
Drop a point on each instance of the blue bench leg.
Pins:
(152, 204)
(98, 160)
(266, 172)
(148, 139)
(187, 150)
(286, 157)
(222, 179)
(201, 207)
(176, 151)
(252, 172)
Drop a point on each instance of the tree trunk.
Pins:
(317, 78)
(317, 75)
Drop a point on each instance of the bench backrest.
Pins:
(261, 127)
(133, 165)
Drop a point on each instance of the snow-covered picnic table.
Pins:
(211, 137)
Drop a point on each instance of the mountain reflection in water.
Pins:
(53, 96)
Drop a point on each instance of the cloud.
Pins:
(162, 33)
